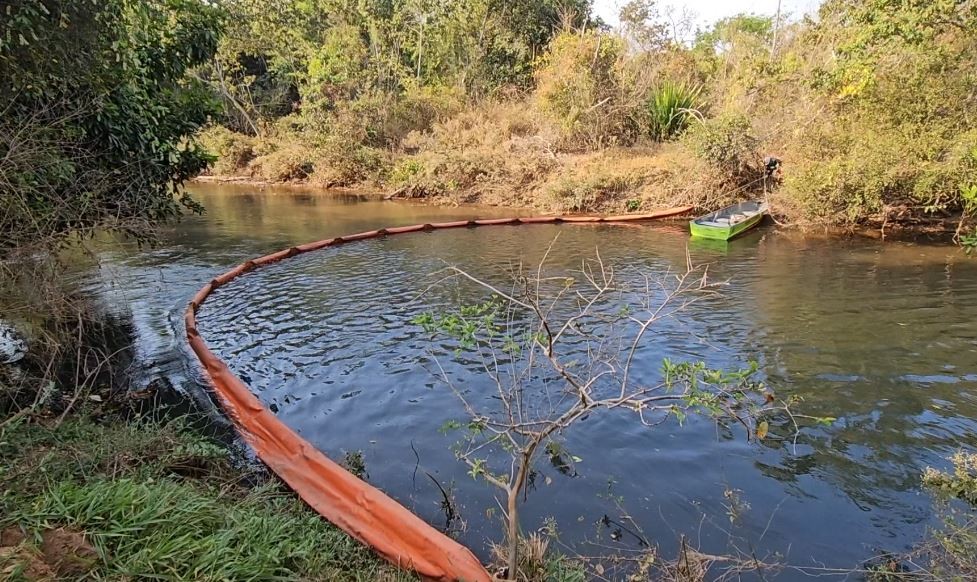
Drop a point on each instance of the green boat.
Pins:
(729, 222)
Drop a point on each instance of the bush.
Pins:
(418, 109)
(578, 86)
(670, 108)
(232, 151)
(406, 172)
(99, 114)
(727, 144)
(341, 162)
(590, 192)
(961, 484)
(858, 168)
(291, 163)
(495, 152)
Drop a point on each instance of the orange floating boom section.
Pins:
(358, 508)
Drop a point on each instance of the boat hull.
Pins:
(724, 232)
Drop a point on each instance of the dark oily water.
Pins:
(879, 335)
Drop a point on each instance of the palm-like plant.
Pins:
(670, 107)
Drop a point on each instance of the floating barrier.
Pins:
(358, 508)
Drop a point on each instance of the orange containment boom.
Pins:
(358, 508)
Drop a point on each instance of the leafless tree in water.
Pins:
(560, 348)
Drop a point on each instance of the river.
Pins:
(881, 336)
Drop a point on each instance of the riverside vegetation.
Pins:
(533, 103)
(869, 105)
(97, 116)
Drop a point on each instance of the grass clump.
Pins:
(670, 109)
(97, 496)
(598, 190)
(165, 529)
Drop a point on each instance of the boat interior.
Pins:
(732, 214)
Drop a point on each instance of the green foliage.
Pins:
(953, 556)
(329, 52)
(870, 105)
(159, 500)
(727, 33)
(467, 325)
(406, 172)
(969, 242)
(164, 528)
(961, 483)
(79, 449)
(727, 144)
(336, 69)
(968, 194)
(233, 151)
(670, 108)
(870, 32)
(355, 463)
(97, 113)
(577, 86)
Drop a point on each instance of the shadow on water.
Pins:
(878, 335)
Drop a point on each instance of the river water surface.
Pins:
(882, 336)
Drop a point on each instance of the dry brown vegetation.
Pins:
(868, 105)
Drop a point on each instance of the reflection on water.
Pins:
(880, 336)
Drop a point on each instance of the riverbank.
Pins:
(496, 165)
(110, 474)
(102, 480)
(907, 227)
(503, 160)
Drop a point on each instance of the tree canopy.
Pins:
(98, 111)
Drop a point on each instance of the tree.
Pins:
(560, 348)
(334, 51)
(99, 114)
(643, 26)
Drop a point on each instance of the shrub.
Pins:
(578, 87)
(953, 556)
(406, 172)
(291, 163)
(589, 192)
(961, 484)
(99, 116)
(858, 168)
(336, 69)
(418, 109)
(233, 151)
(726, 145)
(670, 108)
(497, 149)
(340, 162)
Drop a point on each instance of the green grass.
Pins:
(156, 500)
(165, 529)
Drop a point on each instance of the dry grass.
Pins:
(495, 154)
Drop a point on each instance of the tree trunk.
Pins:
(513, 534)
(513, 507)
